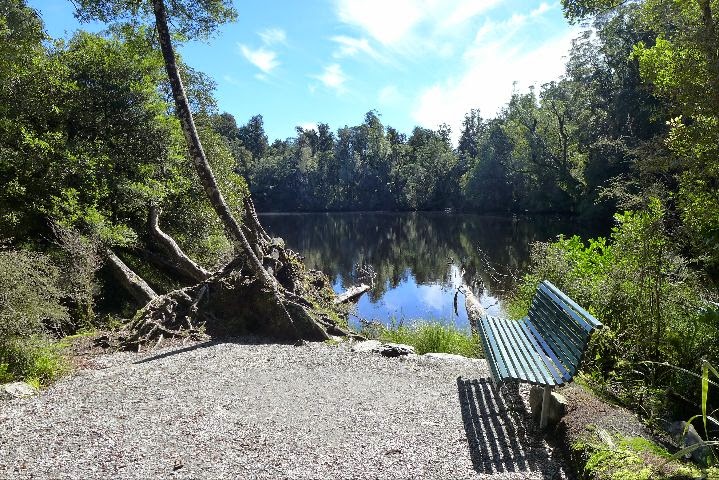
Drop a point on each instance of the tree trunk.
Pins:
(178, 260)
(290, 303)
(136, 286)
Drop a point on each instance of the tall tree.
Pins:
(200, 19)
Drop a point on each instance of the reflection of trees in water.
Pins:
(422, 244)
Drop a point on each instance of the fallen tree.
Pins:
(266, 289)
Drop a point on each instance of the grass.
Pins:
(432, 336)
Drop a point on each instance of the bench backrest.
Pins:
(565, 326)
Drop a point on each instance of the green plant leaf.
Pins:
(690, 449)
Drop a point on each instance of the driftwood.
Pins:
(351, 294)
(475, 310)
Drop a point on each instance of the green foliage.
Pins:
(631, 458)
(32, 359)
(645, 292)
(31, 294)
(30, 297)
(190, 18)
(433, 336)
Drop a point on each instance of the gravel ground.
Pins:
(247, 410)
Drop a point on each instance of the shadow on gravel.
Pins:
(178, 351)
(500, 432)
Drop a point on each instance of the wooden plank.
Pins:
(530, 354)
(576, 318)
(521, 366)
(549, 352)
(565, 351)
(488, 354)
(511, 369)
(588, 317)
(496, 354)
(562, 321)
(558, 375)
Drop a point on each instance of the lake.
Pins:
(418, 259)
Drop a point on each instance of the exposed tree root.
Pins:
(234, 302)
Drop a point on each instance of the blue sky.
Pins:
(417, 62)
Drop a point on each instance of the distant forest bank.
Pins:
(590, 143)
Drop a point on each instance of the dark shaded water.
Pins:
(418, 257)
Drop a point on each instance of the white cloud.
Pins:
(273, 36)
(487, 83)
(265, 60)
(389, 95)
(349, 47)
(399, 23)
(308, 126)
(333, 77)
(386, 21)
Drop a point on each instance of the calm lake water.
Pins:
(419, 258)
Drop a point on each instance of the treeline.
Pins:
(576, 145)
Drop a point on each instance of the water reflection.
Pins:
(419, 258)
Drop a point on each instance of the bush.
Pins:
(644, 291)
(30, 302)
(428, 337)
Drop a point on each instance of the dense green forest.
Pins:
(582, 144)
(93, 152)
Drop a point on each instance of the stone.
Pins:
(557, 406)
(394, 349)
(386, 349)
(366, 346)
(701, 455)
(446, 356)
(18, 390)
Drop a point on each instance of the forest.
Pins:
(102, 209)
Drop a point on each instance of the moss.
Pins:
(631, 458)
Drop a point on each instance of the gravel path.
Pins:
(243, 410)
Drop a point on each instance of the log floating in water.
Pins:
(475, 310)
(351, 293)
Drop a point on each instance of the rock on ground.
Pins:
(18, 390)
(263, 411)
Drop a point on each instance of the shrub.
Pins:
(30, 302)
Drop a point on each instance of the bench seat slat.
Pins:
(503, 349)
(558, 375)
(549, 352)
(492, 361)
(518, 349)
(514, 350)
(493, 349)
(533, 357)
(544, 348)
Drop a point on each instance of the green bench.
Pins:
(544, 348)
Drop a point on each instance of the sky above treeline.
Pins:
(417, 62)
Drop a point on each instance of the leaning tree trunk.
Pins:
(289, 303)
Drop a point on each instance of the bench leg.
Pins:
(546, 398)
